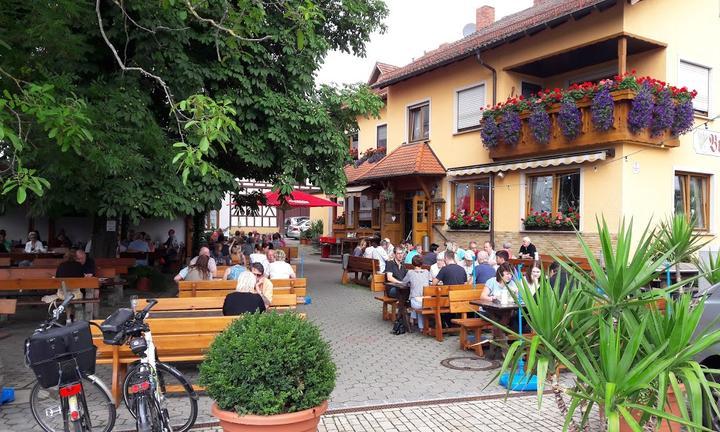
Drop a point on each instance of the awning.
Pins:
(355, 190)
(529, 163)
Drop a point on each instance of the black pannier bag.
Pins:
(113, 328)
(71, 344)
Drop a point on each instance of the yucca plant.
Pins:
(626, 344)
(711, 269)
(678, 234)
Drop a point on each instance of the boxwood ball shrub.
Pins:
(268, 363)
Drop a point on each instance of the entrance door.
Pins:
(421, 221)
(408, 216)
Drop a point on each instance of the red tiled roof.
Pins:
(385, 68)
(353, 173)
(490, 36)
(408, 159)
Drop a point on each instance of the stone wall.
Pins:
(546, 242)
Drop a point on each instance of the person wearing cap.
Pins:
(469, 263)
(439, 264)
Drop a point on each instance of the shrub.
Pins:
(267, 364)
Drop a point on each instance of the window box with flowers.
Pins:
(477, 220)
(339, 223)
(641, 110)
(548, 221)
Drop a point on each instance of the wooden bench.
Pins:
(389, 304)
(222, 268)
(221, 288)
(435, 302)
(5, 261)
(291, 252)
(206, 306)
(46, 262)
(38, 286)
(460, 303)
(26, 273)
(175, 339)
(359, 265)
(121, 265)
(8, 306)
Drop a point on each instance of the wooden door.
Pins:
(421, 218)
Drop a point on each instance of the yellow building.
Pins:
(437, 164)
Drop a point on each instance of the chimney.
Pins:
(484, 16)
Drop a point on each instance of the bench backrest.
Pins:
(172, 336)
(290, 252)
(460, 299)
(114, 262)
(48, 284)
(221, 288)
(7, 306)
(46, 262)
(26, 273)
(5, 261)
(283, 301)
(368, 265)
(437, 296)
(378, 282)
(175, 304)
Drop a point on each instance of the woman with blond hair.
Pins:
(245, 298)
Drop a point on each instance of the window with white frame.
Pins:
(696, 77)
(469, 105)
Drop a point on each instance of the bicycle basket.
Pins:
(113, 328)
(45, 351)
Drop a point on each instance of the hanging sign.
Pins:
(110, 226)
(706, 142)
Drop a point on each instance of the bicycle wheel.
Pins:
(180, 401)
(148, 418)
(46, 407)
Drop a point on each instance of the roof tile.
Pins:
(408, 159)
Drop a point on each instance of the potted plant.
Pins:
(146, 278)
(306, 236)
(269, 372)
(630, 348)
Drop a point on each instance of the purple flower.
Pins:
(569, 118)
(540, 124)
(510, 127)
(663, 113)
(489, 132)
(684, 117)
(641, 110)
(602, 109)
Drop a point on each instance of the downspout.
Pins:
(492, 179)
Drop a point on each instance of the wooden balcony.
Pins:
(589, 137)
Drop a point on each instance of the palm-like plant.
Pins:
(679, 235)
(711, 269)
(625, 350)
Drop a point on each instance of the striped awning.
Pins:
(355, 190)
(528, 164)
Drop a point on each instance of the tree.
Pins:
(145, 109)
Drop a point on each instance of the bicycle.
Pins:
(150, 385)
(67, 397)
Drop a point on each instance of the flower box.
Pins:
(588, 116)
(477, 220)
(547, 221)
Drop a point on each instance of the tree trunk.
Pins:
(104, 242)
(678, 278)
(558, 393)
(198, 229)
(650, 425)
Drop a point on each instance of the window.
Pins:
(350, 212)
(469, 105)
(212, 219)
(696, 77)
(553, 193)
(419, 127)
(354, 144)
(529, 89)
(692, 193)
(365, 215)
(382, 137)
(471, 196)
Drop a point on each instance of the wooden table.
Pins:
(403, 296)
(501, 314)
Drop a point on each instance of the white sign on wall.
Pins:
(706, 142)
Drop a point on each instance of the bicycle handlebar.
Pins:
(144, 312)
(59, 310)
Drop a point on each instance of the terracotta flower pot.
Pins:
(143, 284)
(670, 408)
(301, 421)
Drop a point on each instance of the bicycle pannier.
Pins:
(113, 328)
(46, 350)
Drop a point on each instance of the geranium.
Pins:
(540, 124)
(602, 109)
(641, 109)
(479, 219)
(683, 118)
(489, 131)
(510, 127)
(340, 220)
(569, 118)
(663, 113)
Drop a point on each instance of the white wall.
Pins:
(158, 228)
(15, 223)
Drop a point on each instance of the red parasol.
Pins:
(297, 199)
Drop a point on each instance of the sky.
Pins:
(413, 27)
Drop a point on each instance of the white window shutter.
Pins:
(696, 78)
(469, 103)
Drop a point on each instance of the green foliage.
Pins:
(268, 363)
(239, 99)
(679, 235)
(158, 281)
(607, 329)
(711, 269)
(315, 230)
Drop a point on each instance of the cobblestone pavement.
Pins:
(374, 366)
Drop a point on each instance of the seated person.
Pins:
(360, 248)
(211, 261)
(245, 298)
(233, 273)
(532, 277)
(139, 245)
(558, 277)
(469, 264)
(200, 270)
(88, 264)
(218, 254)
(395, 270)
(263, 285)
(417, 250)
(483, 270)
(507, 247)
(430, 258)
(278, 268)
(501, 257)
(34, 245)
(5, 244)
(451, 274)
(439, 264)
(527, 250)
(259, 256)
(500, 285)
(417, 279)
(69, 268)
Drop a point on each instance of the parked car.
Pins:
(294, 231)
(295, 220)
(711, 356)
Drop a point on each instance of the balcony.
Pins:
(666, 112)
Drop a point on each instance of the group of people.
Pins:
(454, 266)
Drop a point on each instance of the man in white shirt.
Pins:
(379, 254)
(369, 251)
(490, 249)
(277, 267)
(440, 263)
(259, 257)
(212, 266)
